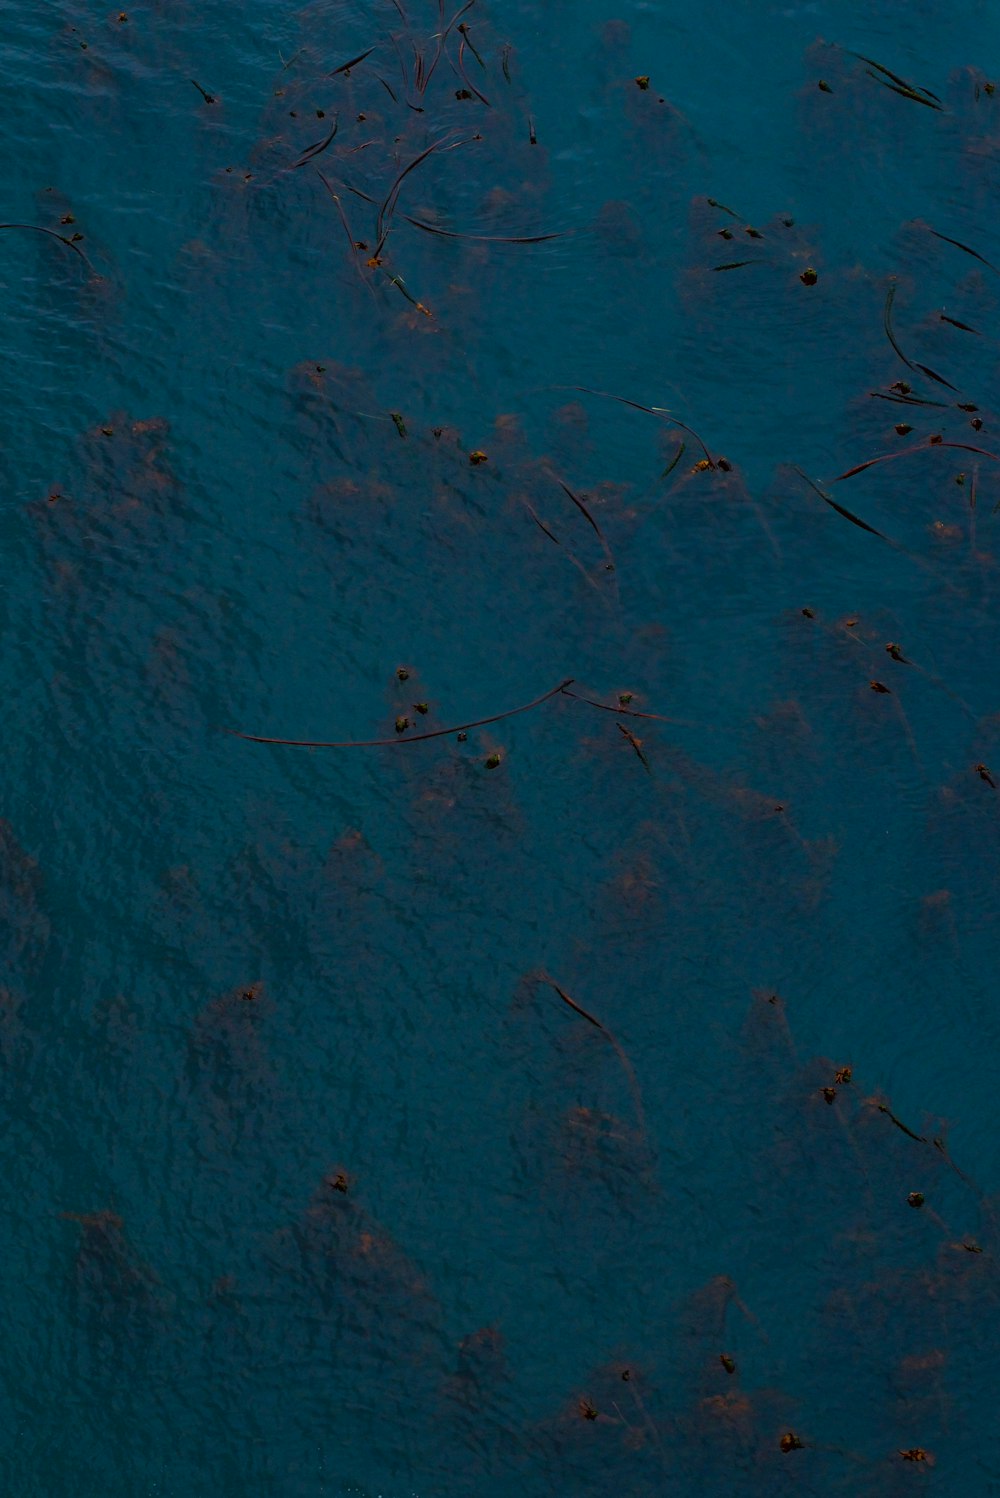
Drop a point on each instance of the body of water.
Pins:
(601, 1099)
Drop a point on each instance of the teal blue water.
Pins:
(588, 1102)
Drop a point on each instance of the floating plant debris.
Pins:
(890, 334)
(372, 299)
(840, 509)
(69, 241)
(966, 248)
(435, 733)
(899, 85)
(636, 745)
(318, 147)
(345, 67)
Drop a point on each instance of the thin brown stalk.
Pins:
(890, 334)
(62, 238)
(613, 1042)
(854, 519)
(591, 583)
(419, 223)
(636, 745)
(585, 512)
(402, 63)
(467, 80)
(960, 246)
(628, 712)
(386, 210)
(415, 738)
(351, 241)
(442, 38)
(318, 147)
(922, 447)
(540, 523)
(659, 411)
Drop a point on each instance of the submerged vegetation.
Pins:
(595, 994)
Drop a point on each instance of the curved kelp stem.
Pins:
(62, 238)
(437, 733)
(629, 712)
(619, 709)
(659, 411)
(965, 447)
(890, 334)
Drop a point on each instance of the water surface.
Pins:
(317, 1181)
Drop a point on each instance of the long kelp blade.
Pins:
(966, 248)
(419, 223)
(583, 1013)
(318, 147)
(932, 374)
(629, 712)
(388, 206)
(965, 327)
(887, 324)
(922, 95)
(659, 411)
(442, 39)
(904, 92)
(345, 67)
(394, 190)
(891, 335)
(847, 514)
(906, 400)
(583, 510)
(467, 80)
(965, 447)
(38, 229)
(437, 733)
